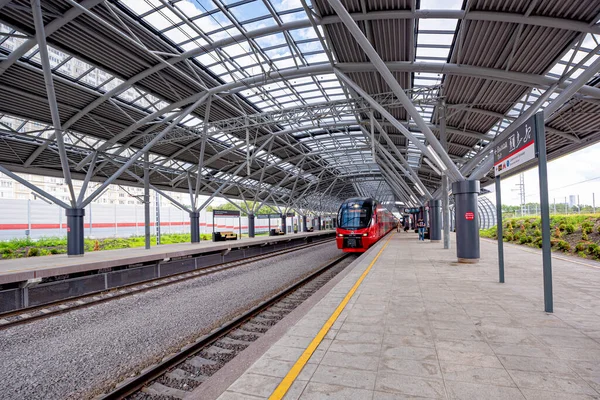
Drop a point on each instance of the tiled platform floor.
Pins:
(423, 326)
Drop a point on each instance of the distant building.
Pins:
(116, 194)
(572, 200)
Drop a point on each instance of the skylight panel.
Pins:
(194, 9)
(266, 42)
(435, 24)
(250, 10)
(317, 58)
(182, 34)
(141, 7)
(302, 34)
(441, 4)
(162, 19)
(254, 25)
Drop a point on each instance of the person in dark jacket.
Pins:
(421, 226)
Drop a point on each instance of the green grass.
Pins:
(18, 247)
(577, 234)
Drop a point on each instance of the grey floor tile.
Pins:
(412, 341)
(410, 367)
(475, 374)
(533, 394)
(410, 353)
(295, 391)
(474, 391)
(536, 364)
(254, 384)
(342, 346)
(237, 396)
(468, 358)
(271, 367)
(537, 350)
(351, 361)
(377, 395)
(359, 337)
(551, 383)
(320, 391)
(410, 385)
(342, 376)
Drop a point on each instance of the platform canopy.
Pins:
(298, 103)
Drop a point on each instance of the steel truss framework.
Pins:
(296, 107)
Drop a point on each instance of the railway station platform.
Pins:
(22, 269)
(28, 282)
(421, 325)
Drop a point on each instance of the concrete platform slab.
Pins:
(422, 325)
(22, 269)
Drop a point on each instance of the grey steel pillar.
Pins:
(446, 211)
(319, 222)
(435, 220)
(466, 220)
(195, 226)
(251, 228)
(284, 223)
(304, 225)
(146, 200)
(75, 247)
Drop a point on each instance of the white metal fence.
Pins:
(36, 218)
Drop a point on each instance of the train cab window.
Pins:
(355, 214)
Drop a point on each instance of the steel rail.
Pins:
(148, 375)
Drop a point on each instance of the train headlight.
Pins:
(365, 234)
(341, 235)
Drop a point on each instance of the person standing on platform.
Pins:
(421, 226)
(398, 226)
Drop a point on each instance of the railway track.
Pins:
(180, 373)
(26, 315)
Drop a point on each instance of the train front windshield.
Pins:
(355, 215)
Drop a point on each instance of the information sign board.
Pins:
(226, 213)
(469, 216)
(412, 210)
(290, 215)
(516, 149)
(268, 216)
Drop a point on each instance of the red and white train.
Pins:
(361, 222)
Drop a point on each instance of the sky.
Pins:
(573, 174)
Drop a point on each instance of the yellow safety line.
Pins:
(553, 255)
(291, 376)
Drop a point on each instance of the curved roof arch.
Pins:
(241, 98)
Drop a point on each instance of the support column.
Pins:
(147, 200)
(435, 225)
(466, 220)
(304, 227)
(446, 211)
(75, 246)
(319, 222)
(251, 228)
(284, 223)
(195, 226)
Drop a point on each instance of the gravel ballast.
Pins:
(77, 354)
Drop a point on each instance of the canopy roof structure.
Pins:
(291, 102)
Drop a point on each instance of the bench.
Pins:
(222, 236)
(276, 232)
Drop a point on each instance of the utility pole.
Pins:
(521, 189)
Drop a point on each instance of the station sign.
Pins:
(516, 149)
(290, 215)
(268, 216)
(412, 210)
(228, 213)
